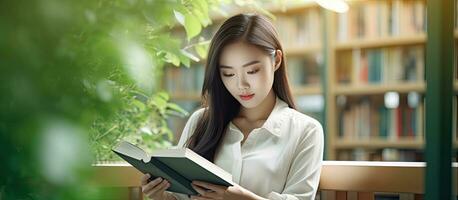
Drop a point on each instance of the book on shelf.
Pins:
(366, 119)
(379, 19)
(304, 70)
(299, 30)
(381, 66)
(383, 154)
(178, 166)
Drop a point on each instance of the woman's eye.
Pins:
(228, 75)
(253, 71)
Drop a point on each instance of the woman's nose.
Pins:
(242, 83)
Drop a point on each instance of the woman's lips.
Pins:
(246, 97)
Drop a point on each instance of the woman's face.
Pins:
(247, 72)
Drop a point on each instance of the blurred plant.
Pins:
(77, 76)
(142, 120)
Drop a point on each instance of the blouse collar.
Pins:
(274, 122)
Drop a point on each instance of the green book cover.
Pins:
(179, 166)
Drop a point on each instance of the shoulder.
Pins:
(190, 126)
(304, 126)
(196, 115)
(302, 120)
(194, 118)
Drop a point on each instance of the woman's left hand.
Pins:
(210, 191)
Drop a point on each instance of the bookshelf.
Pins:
(419, 38)
(380, 144)
(376, 48)
(380, 89)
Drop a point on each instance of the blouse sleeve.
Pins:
(304, 174)
(185, 135)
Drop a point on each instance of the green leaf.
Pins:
(184, 59)
(177, 108)
(179, 17)
(159, 102)
(140, 105)
(172, 58)
(202, 48)
(192, 26)
(164, 95)
(202, 5)
(190, 55)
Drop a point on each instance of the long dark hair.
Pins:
(220, 106)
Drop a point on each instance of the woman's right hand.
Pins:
(155, 189)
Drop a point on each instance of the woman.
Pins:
(248, 125)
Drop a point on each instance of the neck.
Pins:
(260, 112)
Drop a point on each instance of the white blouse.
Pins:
(280, 160)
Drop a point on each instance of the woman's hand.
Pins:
(155, 189)
(210, 191)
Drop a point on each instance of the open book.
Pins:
(179, 166)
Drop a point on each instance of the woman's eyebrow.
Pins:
(244, 65)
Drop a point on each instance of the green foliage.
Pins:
(141, 121)
(78, 76)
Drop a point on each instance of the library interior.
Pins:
(78, 77)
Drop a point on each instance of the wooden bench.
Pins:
(340, 180)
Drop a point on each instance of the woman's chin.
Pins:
(249, 104)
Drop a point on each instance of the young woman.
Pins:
(248, 125)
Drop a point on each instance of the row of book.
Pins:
(183, 80)
(385, 154)
(374, 19)
(304, 70)
(385, 65)
(366, 119)
(299, 30)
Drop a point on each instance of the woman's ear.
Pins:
(278, 59)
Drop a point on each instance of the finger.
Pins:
(165, 188)
(200, 198)
(212, 195)
(216, 188)
(146, 188)
(206, 193)
(154, 190)
(145, 179)
(198, 189)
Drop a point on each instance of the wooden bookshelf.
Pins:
(332, 47)
(344, 40)
(410, 143)
(382, 42)
(379, 89)
(299, 51)
(307, 90)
